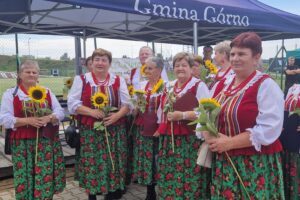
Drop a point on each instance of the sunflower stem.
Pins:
(36, 145)
(108, 146)
(172, 135)
(134, 117)
(238, 175)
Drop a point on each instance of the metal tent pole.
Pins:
(195, 36)
(95, 43)
(282, 63)
(78, 66)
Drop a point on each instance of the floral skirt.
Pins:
(96, 173)
(179, 177)
(261, 175)
(39, 180)
(291, 175)
(144, 151)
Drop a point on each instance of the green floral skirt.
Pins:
(144, 151)
(96, 173)
(291, 175)
(179, 177)
(261, 175)
(39, 180)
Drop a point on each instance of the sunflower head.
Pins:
(68, 83)
(37, 94)
(139, 92)
(158, 86)
(209, 103)
(142, 70)
(99, 100)
(130, 90)
(207, 62)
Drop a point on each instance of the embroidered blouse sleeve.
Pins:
(124, 95)
(74, 97)
(202, 91)
(57, 110)
(7, 118)
(270, 117)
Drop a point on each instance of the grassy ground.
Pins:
(55, 84)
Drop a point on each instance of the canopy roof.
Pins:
(148, 20)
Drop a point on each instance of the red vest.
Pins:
(239, 114)
(179, 127)
(25, 132)
(111, 91)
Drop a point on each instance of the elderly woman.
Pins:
(179, 176)
(222, 52)
(41, 175)
(102, 153)
(249, 124)
(290, 139)
(145, 145)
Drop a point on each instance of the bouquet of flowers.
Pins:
(209, 111)
(139, 100)
(37, 96)
(169, 107)
(100, 101)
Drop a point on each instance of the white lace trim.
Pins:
(254, 140)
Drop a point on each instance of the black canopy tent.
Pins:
(198, 22)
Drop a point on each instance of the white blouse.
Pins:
(7, 118)
(74, 96)
(269, 121)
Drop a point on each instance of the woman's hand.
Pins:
(156, 134)
(174, 116)
(45, 119)
(96, 113)
(35, 122)
(219, 144)
(111, 118)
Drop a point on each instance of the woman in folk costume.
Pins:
(221, 58)
(102, 153)
(38, 162)
(249, 123)
(290, 139)
(178, 175)
(145, 145)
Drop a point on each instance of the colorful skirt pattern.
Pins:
(291, 175)
(144, 150)
(261, 175)
(95, 168)
(39, 180)
(179, 177)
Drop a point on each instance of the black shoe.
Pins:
(92, 197)
(117, 194)
(151, 194)
(109, 196)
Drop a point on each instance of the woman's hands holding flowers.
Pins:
(174, 116)
(111, 118)
(219, 144)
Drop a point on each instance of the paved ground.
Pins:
(72, 191)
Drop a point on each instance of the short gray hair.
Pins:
(29, 64)
(223, 47)
(146, 47)
(159, 62)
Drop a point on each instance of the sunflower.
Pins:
(142, 70)
(139, 92)
(68, 83)
(209, 103)
(158, 86)
(213, 70)
(37, 94)
(99, 100)
(130, 90)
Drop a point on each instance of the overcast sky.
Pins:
(55, 46)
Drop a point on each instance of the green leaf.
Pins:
(99, 126)
(202, 128)
(211, 128)
(296, 111)
(214, 114)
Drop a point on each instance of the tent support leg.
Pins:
(195, 36)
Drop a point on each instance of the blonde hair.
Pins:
(29, 64)
(183, 55)
(223, 47)
(102, 52)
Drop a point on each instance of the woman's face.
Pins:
(152, 72)
(219, 58)
(101, 64)
(29, 76)
(182, 69)
(196, 69)
(243, 61)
